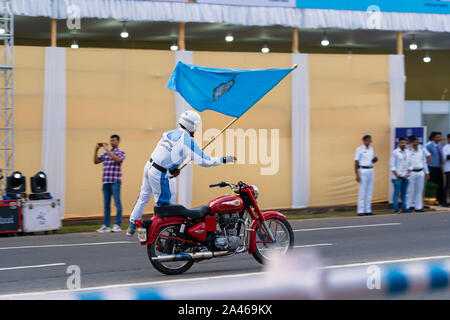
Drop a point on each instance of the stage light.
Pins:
(39, 182)
(39, 187)
(174, 47)
(2, 30)
(15, 185)
(427, 59)
(74, 44)
(265, 49)
(229, 38)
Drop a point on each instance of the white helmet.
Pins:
(190, 120)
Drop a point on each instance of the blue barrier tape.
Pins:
(96, 295)
(439, 277)
(395, 279)
(397, 282)
(147, 294)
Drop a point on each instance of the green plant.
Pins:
(431, 189)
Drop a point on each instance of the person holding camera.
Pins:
(112, 159)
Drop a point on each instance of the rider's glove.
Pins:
(175, 172)
(228, 159)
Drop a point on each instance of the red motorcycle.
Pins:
(176, 237)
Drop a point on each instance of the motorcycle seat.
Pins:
(176, 210)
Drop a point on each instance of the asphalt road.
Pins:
(39, 263)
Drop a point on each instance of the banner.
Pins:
(405, 132)
(416, 6)
(255, 3)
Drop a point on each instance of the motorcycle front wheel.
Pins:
(165, 245)
(284, 239)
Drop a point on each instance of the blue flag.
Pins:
(228, 91)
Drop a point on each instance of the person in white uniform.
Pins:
(364, 161)
(419, 173)
(171, 151)
(411, 139)
(446, 156)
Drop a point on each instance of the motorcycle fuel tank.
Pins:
(226, 204)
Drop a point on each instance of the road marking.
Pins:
(385, 262)
(303, 246)
(351, 227)
(314, 245)
(67, 245)
(125, 285)
(35, 266)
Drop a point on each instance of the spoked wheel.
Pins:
(284, 239)
(165, 245)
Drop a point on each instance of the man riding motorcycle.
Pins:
(172, 150)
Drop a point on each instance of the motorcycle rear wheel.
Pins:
(284, 237)
(153, 250)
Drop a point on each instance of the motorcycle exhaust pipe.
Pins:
(191, 256)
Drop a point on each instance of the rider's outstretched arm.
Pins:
(191, 148)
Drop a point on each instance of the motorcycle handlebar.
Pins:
(224, 184)
(220, 184)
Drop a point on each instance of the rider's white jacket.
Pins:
(176, 146)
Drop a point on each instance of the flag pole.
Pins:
(222, 131)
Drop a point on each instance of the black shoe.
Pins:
(361, 214)
(370, 214)
(421, 210)
(411, 208)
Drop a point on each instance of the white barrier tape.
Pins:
(297, 282)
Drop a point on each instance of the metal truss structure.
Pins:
(6, 91)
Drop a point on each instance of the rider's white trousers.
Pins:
(154, 182)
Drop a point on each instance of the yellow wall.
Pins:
(113, 92)
(349, 98)
(29, 65)
(273, 111)
(124, 92)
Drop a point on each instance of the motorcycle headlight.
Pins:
(255, 191)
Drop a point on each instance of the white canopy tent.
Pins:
(141, 10)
